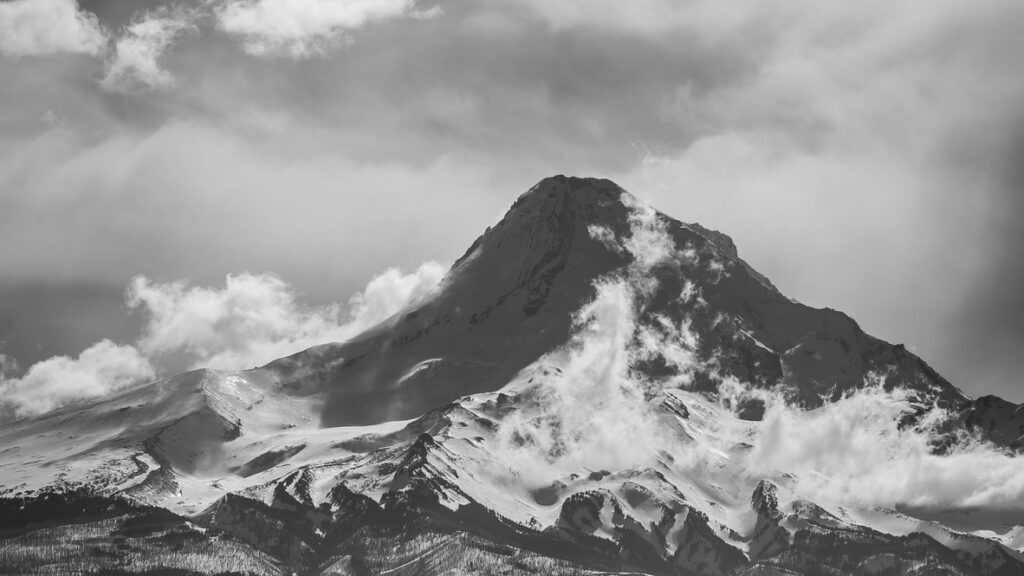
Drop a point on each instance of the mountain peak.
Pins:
(569, 184)
(549, 221)
(514, 295)
(554, 194)
(583, 383)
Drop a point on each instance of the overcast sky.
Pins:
(866, 156)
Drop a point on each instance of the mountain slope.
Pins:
(506, 302)
(511, 297)
(593, 388)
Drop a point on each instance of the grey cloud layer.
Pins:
(864, 156)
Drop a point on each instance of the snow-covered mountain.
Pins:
(593, 388)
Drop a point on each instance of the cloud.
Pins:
(254, 319)
(135, 64)
(302, 28)
(391, 291)
(839, 137)
(586, 383)
(854, 452)
(165, 204)
(588, 407)
(592, 380)
(248, 322)
(588, 410)
(812, 169)
(101, 369)
(39, 27)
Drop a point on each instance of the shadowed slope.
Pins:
(506, 302)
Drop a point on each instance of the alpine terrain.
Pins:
(594, 388)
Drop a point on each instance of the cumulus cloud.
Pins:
(102, 368)
(248, 322)
(135, 63)
(254, 319)
(391, 291)
(302, 28)
(38, 27)
(854, 452)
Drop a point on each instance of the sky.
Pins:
(217, 182)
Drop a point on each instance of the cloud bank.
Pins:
(248, 322)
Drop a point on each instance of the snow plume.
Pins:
(250, 321)
(851, 453)
(675, 344)
(587, 407)
(648, 243)
(586, 411)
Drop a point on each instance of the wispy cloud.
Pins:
(39, 27)
(302, 28)
(135, 63)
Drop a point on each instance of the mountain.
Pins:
(593, 388)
